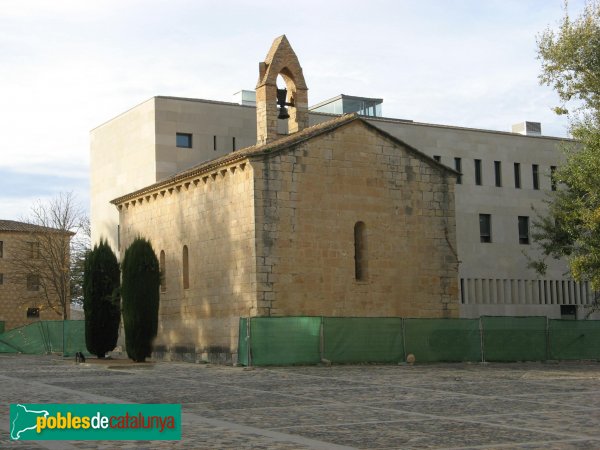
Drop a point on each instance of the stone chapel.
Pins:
(337, 219)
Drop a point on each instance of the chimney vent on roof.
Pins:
(528, 128)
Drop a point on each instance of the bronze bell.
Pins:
(281, 97)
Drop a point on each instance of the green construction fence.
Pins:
(358, 339)
(285, 340)
(514, 338)
(448, 340)
(265, 341)
(48, 336)
(573, 339)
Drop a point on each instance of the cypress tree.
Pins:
(101, 302)
(140, 291)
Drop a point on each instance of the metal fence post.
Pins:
(321, 341)
(481, 340)
(403, 320)
(248, 343)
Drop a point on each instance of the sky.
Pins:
(67, 66)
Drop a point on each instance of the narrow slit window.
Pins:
(478, 180)
(518, 175)
(215, 143)
(523, 230)
(186, 268)
(233, 144)
(1, 249)
(535, 172)
(458, 168)
(498, 173)
(360, 251)
(163, 272)
(485, 228)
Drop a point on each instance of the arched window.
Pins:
(186, 268)
(360, 251)
(163, 272)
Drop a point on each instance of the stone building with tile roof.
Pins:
(23, 292)
(337, 219)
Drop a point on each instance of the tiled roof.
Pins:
(279, 144)
(13, 225)
(286, 141)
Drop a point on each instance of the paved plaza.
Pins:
(441, 406)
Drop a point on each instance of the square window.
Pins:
(523, 230)
(184, 140)
(33, 313)
(438, 158)
(568, 312)
(485, 228)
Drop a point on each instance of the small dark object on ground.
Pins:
(79, 357)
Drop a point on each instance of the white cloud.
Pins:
(67, 66)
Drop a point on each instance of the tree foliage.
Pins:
(140, 293)
(571, 65)
(570, 59)
(46, 251)
(101, 299)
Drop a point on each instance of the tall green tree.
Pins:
(101, 299)
(570, 59)
(140, 292)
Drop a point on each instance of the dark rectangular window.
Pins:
(34, 250)
(438, 158)
(184, 140)
(458, 168)
(552, 179)
(535, 172)
(1, 249)
(33, 313)
(1, 278)
(214, 143)
(478, 172)
(498, 173)
(485, 227)
(523, 230)
(233, 144)
(33, 282)
(568, 312)
(518, 175)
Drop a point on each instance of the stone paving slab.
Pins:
(436, 406)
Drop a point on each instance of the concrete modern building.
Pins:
(22, 285)
(505, 178)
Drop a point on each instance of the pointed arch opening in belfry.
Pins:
(280, 61)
